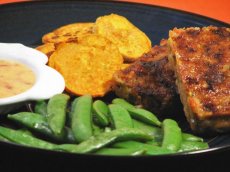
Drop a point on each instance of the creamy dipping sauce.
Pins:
(15, 78)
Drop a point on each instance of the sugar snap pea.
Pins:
(131, 134)
(154, 142)
(172, 135)
(149, 149)
(138, 113)
(81, 118)
(41, 107)
(157, 132)
(72, 107)
(38, 123)
(96, 130)
(190, 137)
(91, 144)
(123, 103)
(25, 139)
(101, 111)
(4, 139)
(152, 130)
(56, 113)
(101, 140)
(24, 130)
(120, 151)
(145, 116)
(120, 117)
(32, 121)
(192, 146)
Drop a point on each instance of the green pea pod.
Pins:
(4, 139)
(72, 107)
(81, 118)
(154, 142)
(101, 111)
(120, 151)
(96, 130)
(41, 107)
(138, 113)
(92, 144)
(101, 140)
(131, 134)
(32, 121)
(192, 146)
(190, 137)
(24, 130)
(144, 116)
(123, 103)
(38, 123)
(25, 139)
(149, 149)
(152, 130)
(172, 135)
(56, 113)
(120, 117)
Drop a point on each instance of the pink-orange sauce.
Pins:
(15, 78)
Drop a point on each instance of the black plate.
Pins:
(27, 22)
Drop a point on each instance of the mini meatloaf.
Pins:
(201, 57)
(149, 81)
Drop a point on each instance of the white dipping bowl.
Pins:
(48, 81)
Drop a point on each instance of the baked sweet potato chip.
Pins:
(131, 41)
(95, 40)
(47, 48)
(87, 66)
(68, 33)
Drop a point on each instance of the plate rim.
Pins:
(116, 2)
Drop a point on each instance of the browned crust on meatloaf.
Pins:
(149, 81)
(202, 64)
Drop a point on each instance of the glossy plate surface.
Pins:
(26, 23)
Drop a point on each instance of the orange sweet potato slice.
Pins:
(87, 66)
(68, 33)
(131, 41)
(47, 48)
